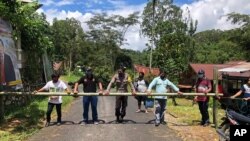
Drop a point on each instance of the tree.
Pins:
(171, 35)
(68, 38)
(107, 32)
(244, 21)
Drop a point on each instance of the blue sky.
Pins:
(209, 13)
(89, 5)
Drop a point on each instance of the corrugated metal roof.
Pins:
(240, 68)
(145, 70)
(208, 68)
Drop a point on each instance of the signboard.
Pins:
(9, 71)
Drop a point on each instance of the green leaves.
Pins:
(163, 23)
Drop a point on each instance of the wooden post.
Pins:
(1, 104)
(215, 84)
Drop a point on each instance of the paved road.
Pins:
(134, 128)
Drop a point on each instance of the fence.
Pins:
(120, 94)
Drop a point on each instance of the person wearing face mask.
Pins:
(90, 83)
(203, 85)
(245, 90)
(141, 86)
(55, 85)
(121, 80)
(161, 84)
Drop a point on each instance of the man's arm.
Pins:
(131, 86)
(237, 94)
(209, 87)
(173, 86)
(110, 83)
(151, 85)
(76, 88)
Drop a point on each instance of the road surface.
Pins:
(136, 126)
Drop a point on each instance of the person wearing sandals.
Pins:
(55, 85)
(141, 87)
(161, 84)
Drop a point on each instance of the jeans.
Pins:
(160, 105)
(203, 107)
(58, 111)
(86, 101)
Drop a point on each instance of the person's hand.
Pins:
(106, 92)
(246, 99)
(148, 92)
(195, 98)
(75, 92)
(68, 92)
(180, 93)
(232, 97)
(134, 93)
(34, 92)
(100, 92)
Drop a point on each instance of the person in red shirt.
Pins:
(203, 85)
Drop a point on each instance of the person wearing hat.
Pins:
(121, 80)
(55, 85)
(203, 85)
(161, 84)
(90, 83)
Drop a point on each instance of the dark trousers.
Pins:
(203, 107)
(160, 108)
(141, 99)
(86, 101)
(58, 111)
(120, 105)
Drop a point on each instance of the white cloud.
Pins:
(65, 2)
(47, 2)
(54, 3)
(134, 41)
(211, 14)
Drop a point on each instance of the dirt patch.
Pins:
(193, 132)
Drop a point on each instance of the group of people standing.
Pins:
(121, 80)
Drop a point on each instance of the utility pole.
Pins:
(153, 37)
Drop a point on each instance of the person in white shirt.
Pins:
(141, 86)
(55, 85)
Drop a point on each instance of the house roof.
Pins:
(239, 68)
(208, 68)
(242, 69)
(146, 70)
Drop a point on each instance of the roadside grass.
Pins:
(23, 121)
(188, 113)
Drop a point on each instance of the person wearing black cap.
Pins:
(90, 83)
(161, 84)
(203, 85)
(55, 85)
(121, 80)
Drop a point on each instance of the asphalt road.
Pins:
(136, 126)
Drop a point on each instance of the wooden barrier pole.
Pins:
(215, 82)
(97, 94)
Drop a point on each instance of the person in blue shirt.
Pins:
(245, 89)
(161, 84)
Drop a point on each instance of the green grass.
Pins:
(23, 121)
(189, 113)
